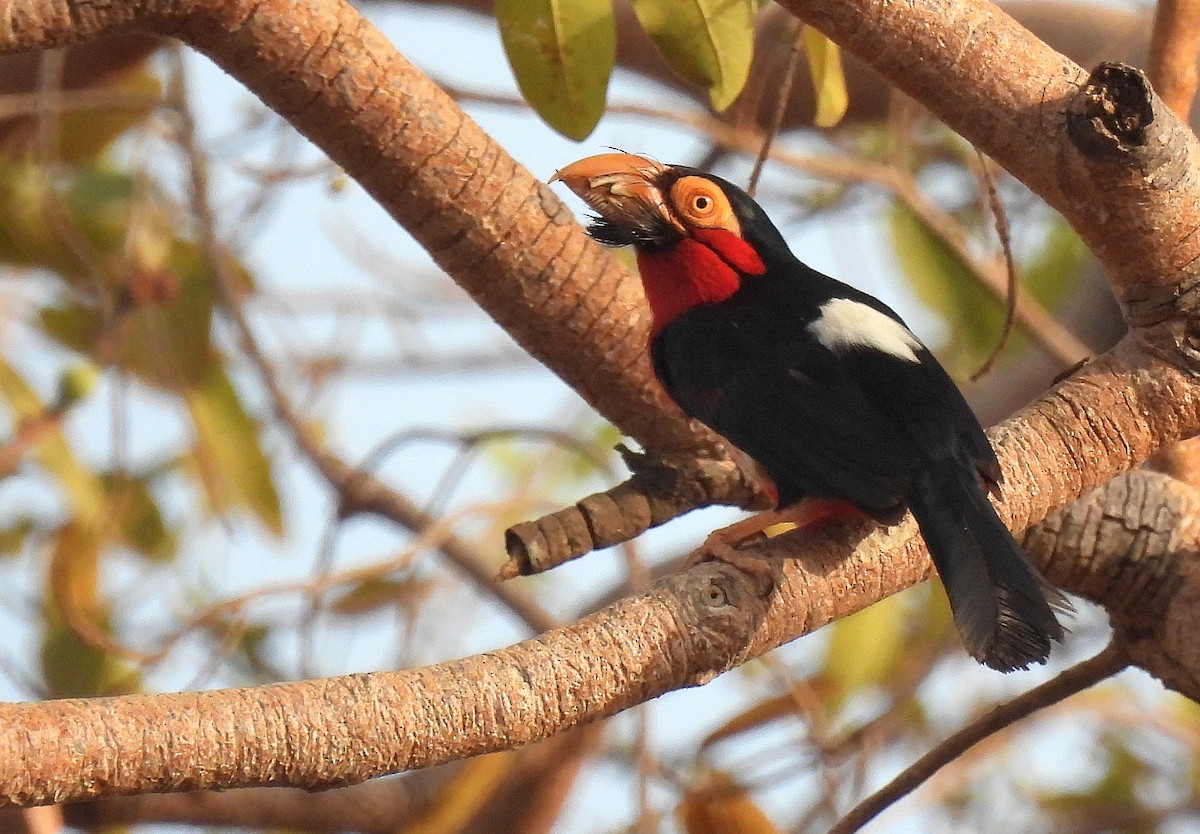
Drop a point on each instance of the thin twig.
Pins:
(61, 220)
(1174, 44)
(430, 538)
(357, 490)
(1000, 217)
(15, 105)
(1047, 331)
(781, 104)
(1079, 677)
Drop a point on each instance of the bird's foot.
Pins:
(717, 549)
(724, 545)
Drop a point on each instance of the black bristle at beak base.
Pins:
(824, 386)
(610, 234)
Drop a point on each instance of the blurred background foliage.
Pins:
(161, 531)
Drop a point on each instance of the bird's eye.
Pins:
(700, 202)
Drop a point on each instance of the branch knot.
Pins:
(1110, 115)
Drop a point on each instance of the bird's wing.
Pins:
(793, 406)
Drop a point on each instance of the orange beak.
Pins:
(622, 188)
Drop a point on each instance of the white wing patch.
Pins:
(844, 323)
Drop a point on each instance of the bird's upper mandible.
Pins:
(649, 202)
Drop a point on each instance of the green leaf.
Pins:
(1054, 272)
(166, 342)
(28, 236)
(562, 53)
(947, 286)
(378, 592)
(76, 383)
(73, 325)
(73, 668)
(252, 640)
(92, 207)
(944, 283)
(829, 82)
(708, 42)
(163, 339)
(84, 491)
(100, 198)
(74, 664)
(232, 467)
(86, 226)
(138, 517)
(83, 134)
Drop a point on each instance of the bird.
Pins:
(823, 386)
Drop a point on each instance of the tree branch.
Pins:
(1132, 546)
(687, 629)
(522, 258)
(1174, 47)
(991, 80)
(522, 798)
(356, 490)
(499, 232)
(1083, 675)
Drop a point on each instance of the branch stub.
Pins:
(1109, 116)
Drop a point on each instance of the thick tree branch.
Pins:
(1174, 47)
(499, 232)
(526, 796)
(1102, 150)
(1132, 546)
(1008, 93)
(531, 267)
(1107, 417)
(356, 490)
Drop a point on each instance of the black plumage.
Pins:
(827, 389)
(862, 426)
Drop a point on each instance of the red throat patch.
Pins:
(701, 269)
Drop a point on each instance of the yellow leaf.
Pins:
(460, 800)
(83, 489)
(74, 662)
(763, 712)
(138, 519)
(75, 572)
(378, 592)
(85, 134)
(865, 647)
(829, 82)
(709, 42)
(722, 806)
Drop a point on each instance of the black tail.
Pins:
(1004, 609)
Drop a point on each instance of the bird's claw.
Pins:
(718, 549)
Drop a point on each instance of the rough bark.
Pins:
(1008, 93)
(332, 75)
(690, 627)
(525, 795)
(500, 232)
